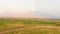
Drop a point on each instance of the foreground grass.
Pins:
(34, 30)
(29, 26)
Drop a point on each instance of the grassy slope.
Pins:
(13, 24)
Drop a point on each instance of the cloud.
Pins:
(50, 13)
(17, 13)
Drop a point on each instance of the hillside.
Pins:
(29, 26)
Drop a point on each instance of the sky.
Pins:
(30, 8)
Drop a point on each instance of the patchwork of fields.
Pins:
(29, 26)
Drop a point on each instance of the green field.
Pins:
(29, 26)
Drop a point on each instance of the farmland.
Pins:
(29, 26)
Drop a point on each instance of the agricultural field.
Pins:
(29, 26)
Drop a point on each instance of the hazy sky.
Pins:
(42, 8)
